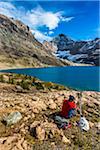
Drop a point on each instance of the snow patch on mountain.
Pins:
(66, 54)
(77, 51)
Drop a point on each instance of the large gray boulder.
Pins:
(12, 118)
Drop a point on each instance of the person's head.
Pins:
(71, 98)
(64, 97)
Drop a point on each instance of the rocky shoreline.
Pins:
(36, 129)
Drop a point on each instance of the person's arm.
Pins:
(77, 108)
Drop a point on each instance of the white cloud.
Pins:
(7, 9)
(40, 36)
(35, 18)
(48, 19)
(50, 32)
(67, 19)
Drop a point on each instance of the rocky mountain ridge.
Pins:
(19, 48)
(77, 51)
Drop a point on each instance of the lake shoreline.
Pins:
(4, 65)
(24, 67)
(76, 77)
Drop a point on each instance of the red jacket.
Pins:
(67, 106)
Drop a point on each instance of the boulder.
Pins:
(51, 130)
(40, 133)
(19, 88)
(12, 118)
(44, 130)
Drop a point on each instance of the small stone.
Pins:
(22, 125)
(25, 146)
(91, 124)
(90, 110)
(19, 88)
(23, 130)
(19, 144)
(60, 100)
(40, 133)
(65, 140)
(25, 118)
(53, 145)
(52, 105)
(34, 124)
(98, 125)
(33, 115)
(91, 105)
(72, 136)
(35, 98)
(3, 139)
(35, 110)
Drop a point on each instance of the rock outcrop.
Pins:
(77, 51)
(50, 46)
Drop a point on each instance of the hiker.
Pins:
(68, 108)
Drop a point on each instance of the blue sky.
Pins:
(77, 19)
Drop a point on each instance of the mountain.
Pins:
(50, 46)
(19, 48)
(77, 51)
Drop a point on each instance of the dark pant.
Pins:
(71, 113)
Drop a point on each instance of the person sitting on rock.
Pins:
(68, 108)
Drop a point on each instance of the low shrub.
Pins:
(25, 84)
(1, 78)
(39, 86)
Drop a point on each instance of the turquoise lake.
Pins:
(79, 78)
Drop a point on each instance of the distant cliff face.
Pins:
(50, 46)
(77, 51)
(19, 48)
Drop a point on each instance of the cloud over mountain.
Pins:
(35, 18)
